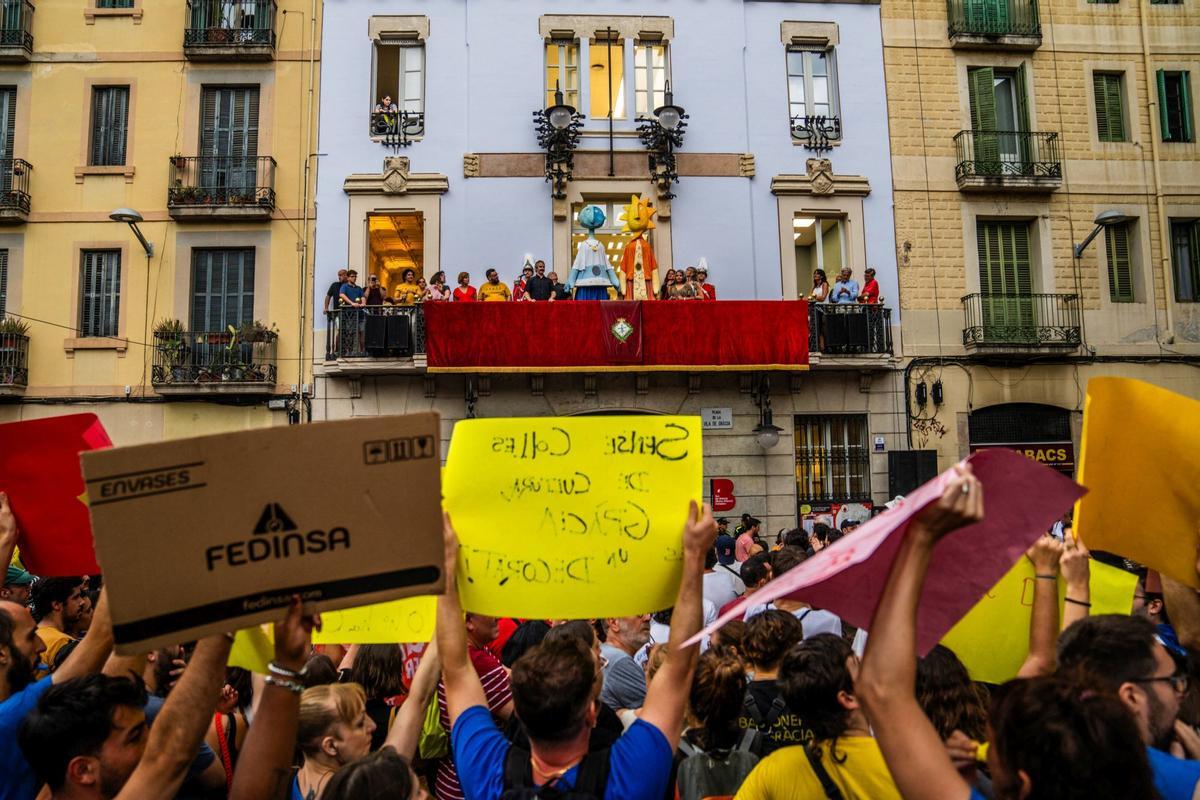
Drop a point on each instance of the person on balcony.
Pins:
(438, 291)
(539, 287)
(494, 291)
(332, 296)
(464, 292)
(820, 287)
(846, 289)
(664, 293)
(519, 285)
(386, 115)
(870, 290)
(707, 290)
(683, 288)
(559, 292)
(408, 293)
(375, 292)
(350, 325)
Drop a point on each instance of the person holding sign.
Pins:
(556, 687)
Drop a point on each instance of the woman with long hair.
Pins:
(333, 730)
(820, 287)
(664, 293)
(439, 292)
(379, 670)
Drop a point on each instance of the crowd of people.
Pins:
(788, 702)
(845, 289)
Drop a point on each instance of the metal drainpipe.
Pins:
(308, 148)
(1164, 234)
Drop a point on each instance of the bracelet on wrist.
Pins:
(277, 669)
(1046, 577)
(291, 686)
(1083, 603)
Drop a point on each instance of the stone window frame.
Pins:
(406, 28)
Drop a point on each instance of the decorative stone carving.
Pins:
(746, 165)
(395, 175)
(820, 175)
(470, 165)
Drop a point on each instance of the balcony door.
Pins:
(990, 16)
(1006, 282)
(222, 289)
(8, 129)
(228, 139)
(999, 120)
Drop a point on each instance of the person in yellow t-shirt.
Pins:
(408, 292)
(493, 290)
(817, 680)
(58, 603)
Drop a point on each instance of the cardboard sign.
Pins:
(39, 468)
(217, 533)
(571, 517)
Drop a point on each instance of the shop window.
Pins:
(833, 461)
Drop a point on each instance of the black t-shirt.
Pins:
(539, 287)
(781, 726)
(334, 293)
(560, 292)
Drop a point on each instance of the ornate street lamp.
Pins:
(558, 134)
(661, 136)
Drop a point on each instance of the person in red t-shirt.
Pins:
(464, 292)
(707, 290)
(870, 289)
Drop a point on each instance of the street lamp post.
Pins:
(558, 134)
(661, 136)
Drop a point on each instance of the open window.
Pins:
(395, 242)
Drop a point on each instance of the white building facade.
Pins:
(784, 168)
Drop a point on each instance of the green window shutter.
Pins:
(1022, 79)
(1110, 118)
(3, 282)
(1120, 270)
(1185, 100)
(1164, 119)
(981, 84)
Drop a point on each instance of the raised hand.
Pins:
(1075, 564)
(700, 532)
(1045, 554)
(293, 637)
(961, 504)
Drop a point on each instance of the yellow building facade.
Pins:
(197, 117)
(1019, 129)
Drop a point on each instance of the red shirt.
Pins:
(710, 292)
(870, 292)
(464, 294)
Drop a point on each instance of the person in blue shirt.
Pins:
(845, 290)
(556, 690)
(1055, 736)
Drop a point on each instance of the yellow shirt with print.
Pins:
(54, 639)
(407, 294)
(787, 775)
(494, 292)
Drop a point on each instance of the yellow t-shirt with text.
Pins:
(54, 640)
(493, 292)
(787, 775)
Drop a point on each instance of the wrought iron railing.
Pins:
(1007, 154)
(817, 133)
(230, 23)
(375, 332)
(183, 358)
(220, 181)
(994, 17)
(14, 359)
(1015, 320)
(16, 24)
(849, 329)
(14, 183)
(398, 128)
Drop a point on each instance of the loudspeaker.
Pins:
(836, 331)
(908, 469)
(375, 335)
(399, 335)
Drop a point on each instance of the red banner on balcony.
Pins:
(580, 335)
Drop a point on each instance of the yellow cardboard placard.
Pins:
(1137, 439)
(399, 621)
(571, 517)
(992, 640)
(252, 649)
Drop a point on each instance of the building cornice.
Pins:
(820, 180)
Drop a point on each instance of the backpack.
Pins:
(590, 783)
(764, 722)
(718, 774)
(434, 742)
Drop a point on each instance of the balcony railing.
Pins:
(375, 332)
(214, 360)
(232, 184)
(14, 361)
(1017, 159)
(849, 329)
(994, 18)
(398, 128)
(227, 26)
(817, 133)
(16, 28)
(1021, 320)
(14, 188)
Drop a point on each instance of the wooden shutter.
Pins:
(222, 289)
(3, 282)
(1185, 100)
(100, 283)
(1120, 269)
(981, 83)
(1110, 116)
(1005, 279)
(229, 136)
(110, 120)
(1164, 117)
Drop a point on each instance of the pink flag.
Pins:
(1022, 499)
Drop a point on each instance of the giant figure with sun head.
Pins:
(638, 263)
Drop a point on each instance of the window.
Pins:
(1185, 260)
(820, 243)
(100, 290)
(606, 83)
(110, 122)
(562, 71)
(832, 458)
(229, 138)
(1005, 280)
(400, 74)
(114, 3)
(1175, 106)
(1120, 266)
(3, 282)
(222, 289)
(999, 117)
(812, 82)
(1110, 112)
(650, 76)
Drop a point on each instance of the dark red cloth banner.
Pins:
(579, 335)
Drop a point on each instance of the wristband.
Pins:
(1083, 603)
(284, 672)
(291, 686)
(1046, 577)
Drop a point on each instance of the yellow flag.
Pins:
(1143, 502)
(571, 517)
(401, 621)
(252, 649)
(992, 640)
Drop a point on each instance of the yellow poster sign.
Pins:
(567, 516)
(1138, 440)
(400, 621)
(253, 648)
(992, 640)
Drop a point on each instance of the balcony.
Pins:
(16, 31)
(14, 190)
(219, 189)
(375, 339)
(14, 359)
(1023, 161)
(1030, 322)
(817, 133)
(234, 361)
(845, 333)
(994, 24)
(397, 128)
(230, 30)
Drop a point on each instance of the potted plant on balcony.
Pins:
(254, 338)
(11, 331)
(179, 161)
(171, 342)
